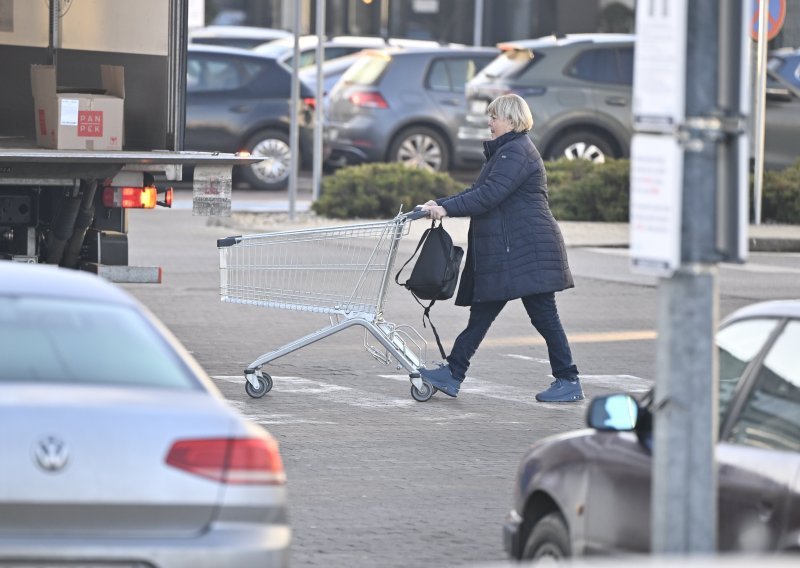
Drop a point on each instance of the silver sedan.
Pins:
(116, 447)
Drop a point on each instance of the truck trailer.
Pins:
(92, 110)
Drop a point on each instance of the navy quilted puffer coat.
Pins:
(515, 245)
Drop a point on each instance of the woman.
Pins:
(515, 251)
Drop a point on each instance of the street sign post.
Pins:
(775, 16)
(765, 16)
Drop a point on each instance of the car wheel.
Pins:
(549, 539)
(273, 172)
(581, 145)
(420, 147)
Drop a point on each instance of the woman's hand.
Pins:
(434, 211)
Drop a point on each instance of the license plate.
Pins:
(478, 107)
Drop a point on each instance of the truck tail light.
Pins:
(238, 461)
(130, 197)
(168, 195)
(370, 100)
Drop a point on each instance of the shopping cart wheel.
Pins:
(264, 384)
(425, 393)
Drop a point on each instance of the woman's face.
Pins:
(498, 126)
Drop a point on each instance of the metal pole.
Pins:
(477, 32)
(320, 97)
(294, 133)
(684, 515)
(758, 108)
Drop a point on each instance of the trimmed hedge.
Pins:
(579, 191)
(780, 202)
(377, 190)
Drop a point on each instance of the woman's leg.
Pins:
(542, 310)
(481, 316)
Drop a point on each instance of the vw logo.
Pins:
(51, 454)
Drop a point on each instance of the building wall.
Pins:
(453, 20)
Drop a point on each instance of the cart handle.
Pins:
(228, 241)
(416, 213)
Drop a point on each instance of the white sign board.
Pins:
(659, 65)
(655, 206)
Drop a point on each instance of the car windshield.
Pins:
(367, 70)
(45, 340)
(508, 64)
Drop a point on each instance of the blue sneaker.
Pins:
(562, 390)
(442, 379)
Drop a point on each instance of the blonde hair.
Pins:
(514, 109)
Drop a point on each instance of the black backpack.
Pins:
(435, 274)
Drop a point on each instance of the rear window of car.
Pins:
(451, 75)
(218, 74)
(367, 70)
(56, 341)
(606, 65)
(510, 63)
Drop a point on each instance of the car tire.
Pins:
(420, 147)
(273, 172)
(581, 145)
(549, 539)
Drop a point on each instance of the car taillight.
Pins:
(310, 102)
(236, 461)
(371, 100)
(130, 197)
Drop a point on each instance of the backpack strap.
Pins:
(426, 313)
(416, 250)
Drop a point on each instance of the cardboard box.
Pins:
(79, 119)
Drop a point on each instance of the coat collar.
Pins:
(491, 146)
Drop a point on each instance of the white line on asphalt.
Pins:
(526, 358)
(330, 392)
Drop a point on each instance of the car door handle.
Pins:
(617, 101)
(452, 102)
(241, 109)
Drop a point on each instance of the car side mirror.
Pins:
(613, 413)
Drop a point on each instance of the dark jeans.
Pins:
(541, 309)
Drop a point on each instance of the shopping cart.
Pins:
(340, 271)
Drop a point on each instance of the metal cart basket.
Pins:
(343, 272)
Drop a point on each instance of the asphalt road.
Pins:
(375, 478)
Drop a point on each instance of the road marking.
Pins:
(589, 337)
(330, 392)
(363, 398)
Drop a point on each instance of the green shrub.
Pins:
(780, 201)
(377, 190)
(584, 191)
(579, 191)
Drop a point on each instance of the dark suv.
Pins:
(402, 105)
(578, 87)
(238, 100)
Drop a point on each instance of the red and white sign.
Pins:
(90, 123)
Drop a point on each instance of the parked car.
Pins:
(245, 37)
(332, 71)
(238, 100)
(117, 447)
(588, 492)
(782, 109)
(402, 105)
(335, 47)
(577, 86)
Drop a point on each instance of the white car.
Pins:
(117, 449)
